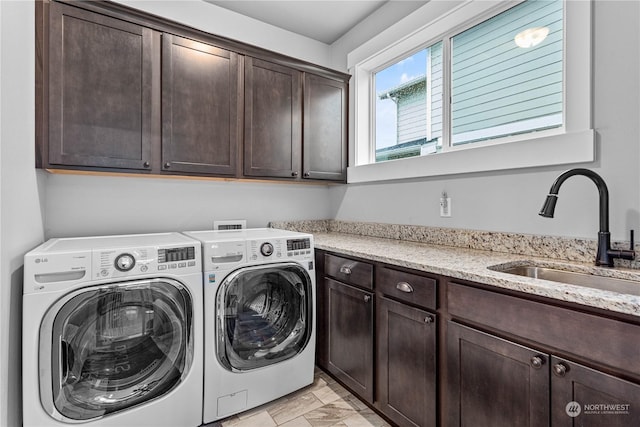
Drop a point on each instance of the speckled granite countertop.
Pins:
(472, 265)
(467, 254)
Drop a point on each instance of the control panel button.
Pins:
(266, 249)
(125, 262)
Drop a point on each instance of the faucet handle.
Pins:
(629, 254)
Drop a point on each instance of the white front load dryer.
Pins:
(259, 314)
(112, 332)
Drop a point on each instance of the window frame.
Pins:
(573, 142)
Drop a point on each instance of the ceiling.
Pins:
(325, 21)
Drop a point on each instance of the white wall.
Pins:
(95, 205)
(222, 22)
(386, 16)
(21, 187)
(510, 200)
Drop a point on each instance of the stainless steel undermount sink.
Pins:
(594, 281)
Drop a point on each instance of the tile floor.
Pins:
(325, 403)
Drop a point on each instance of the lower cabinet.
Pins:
(484, 358)
(406, 366)
(494, 382)
(350, 338)
(381, 345)
(585, 397)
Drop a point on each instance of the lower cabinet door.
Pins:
(406, 366)
(586, 397)
(493, 382)
(350, 336)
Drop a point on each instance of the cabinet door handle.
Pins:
(428, 320)
(367, 298)
(537, 362)
(307, 174)
(560, 369)
(404, 287)
(167, 165)
(345, 269)
(294, 173)
(146, 164)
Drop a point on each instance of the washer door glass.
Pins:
(264, 315)
(116, 346)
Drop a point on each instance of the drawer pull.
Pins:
(367, 298)
(537, 362)
(345, 269)
(560, 369)
(404, 287)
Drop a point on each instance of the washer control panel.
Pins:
(108, 263)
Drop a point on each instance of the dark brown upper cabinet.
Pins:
(100, 91)
(119, 90)
(325, 128)
(272, 120)
(201, 123)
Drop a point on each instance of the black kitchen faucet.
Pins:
(605, 255)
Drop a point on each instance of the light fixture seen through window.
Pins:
(531, 36)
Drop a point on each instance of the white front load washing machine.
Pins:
(259, 315)
(112, 332)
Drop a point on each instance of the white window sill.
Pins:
(568, 148)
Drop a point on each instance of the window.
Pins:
(408, 112)
(476, 77)
(506, 74)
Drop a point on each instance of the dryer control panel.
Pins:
(278, 249)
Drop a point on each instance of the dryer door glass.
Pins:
(264, 315)
(116, 346)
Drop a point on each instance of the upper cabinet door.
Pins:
(201, 123)
(100, 95)
(325, 128)
(273, 119)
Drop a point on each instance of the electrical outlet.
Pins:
(445, 206)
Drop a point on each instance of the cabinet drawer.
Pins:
(412, 288)
(346, 270)
(605, 341)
